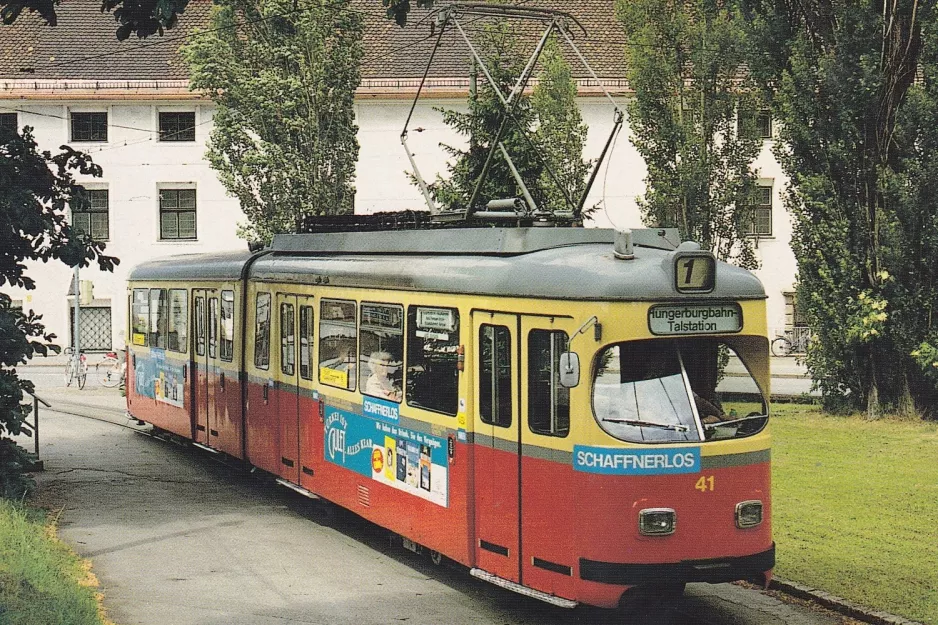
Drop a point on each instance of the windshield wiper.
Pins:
(734, 421)
(649, 424)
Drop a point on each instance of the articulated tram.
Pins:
(574, 414)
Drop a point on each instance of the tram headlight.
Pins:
(748, 514)
(657, 521)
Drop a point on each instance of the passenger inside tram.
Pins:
(650, 390)
(380, 383)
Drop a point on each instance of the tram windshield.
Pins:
(673, 390)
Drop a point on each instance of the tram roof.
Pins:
(217, 266)
(552, 263)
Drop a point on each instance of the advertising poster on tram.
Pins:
(405, 459)
(157, 379)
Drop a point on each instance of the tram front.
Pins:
(674, 463)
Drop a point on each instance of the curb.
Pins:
(838, 604)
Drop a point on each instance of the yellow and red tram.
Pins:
(571, 413)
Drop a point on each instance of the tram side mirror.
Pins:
(569, 369)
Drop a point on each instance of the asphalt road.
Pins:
(175, 537)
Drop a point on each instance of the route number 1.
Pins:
(695, 273)
(705, 483)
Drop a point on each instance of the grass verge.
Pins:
(42, 582)
(855, 508)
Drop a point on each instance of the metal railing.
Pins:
(37, 465)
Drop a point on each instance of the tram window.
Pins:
(337, 343)
(666, 390)
(262, 331)
(213, 327)
(178, 320)
(432, 355)
(140, 316)
(727, 397)
(495, 401)
(381, 355)
(158, 318)
(306, 342)
(287, 340)
(227, 325)
(548, 400)
(199, 313)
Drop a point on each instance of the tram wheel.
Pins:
(327, 513)
(650, 605)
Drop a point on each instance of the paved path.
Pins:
(177, 538)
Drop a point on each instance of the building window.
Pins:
(762, 120)
(761, 224)
(177, 126)
(177, 214)
(794, 316)
(8, 122)
(89, 126)
(94, 328)
(91, 218)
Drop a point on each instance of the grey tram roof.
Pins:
(553, 263)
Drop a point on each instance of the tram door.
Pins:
(288, 387)
(205, 355)
(497, 444)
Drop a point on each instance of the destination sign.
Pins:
(695, 319)
(436, 319)
(617, 461)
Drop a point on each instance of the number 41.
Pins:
(704, 484)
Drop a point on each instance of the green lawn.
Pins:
(42, 582)
(856, 508)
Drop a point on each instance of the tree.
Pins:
(140, 17)
(560, 131)
(35, 190)
(684, 62)
(284, 139)
(857, 140)
(544, 136)
(498, 48)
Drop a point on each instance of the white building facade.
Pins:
(158, 195)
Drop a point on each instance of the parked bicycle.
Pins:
(112, 370)
(76, 369)
(794, 341)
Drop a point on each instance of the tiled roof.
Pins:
(84, 47)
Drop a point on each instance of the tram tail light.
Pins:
(657, 521)
(748, 514)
